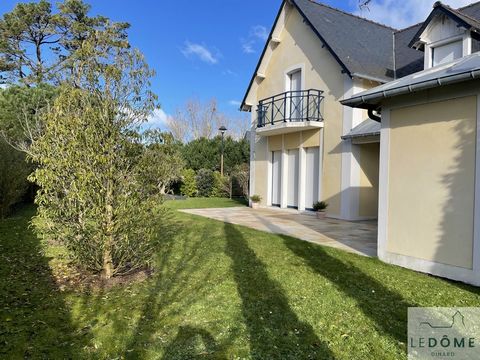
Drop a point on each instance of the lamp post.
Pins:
(222, 130)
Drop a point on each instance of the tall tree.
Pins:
(90, 195)
(35, 40)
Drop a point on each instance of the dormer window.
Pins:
(446, 35)
(446, 52)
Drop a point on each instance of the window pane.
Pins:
(446, 53)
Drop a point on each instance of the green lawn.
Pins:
(220, 291)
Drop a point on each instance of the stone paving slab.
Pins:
(359, 237)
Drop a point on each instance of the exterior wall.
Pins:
(430, 181)
(368, 192)
(301, 48)
(432, 172)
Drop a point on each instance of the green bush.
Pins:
(221, 185)
(205, 180)
(320, 206)
(189, 183)
(13, 177)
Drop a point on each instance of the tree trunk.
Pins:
(107, 250)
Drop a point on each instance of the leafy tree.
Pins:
(205, 153)
(189, 183)
(160, 163)
(13, 177)
(36, 41)
(90, 196)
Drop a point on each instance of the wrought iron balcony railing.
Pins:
(290, 106)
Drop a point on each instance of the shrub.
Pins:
(256, 198)
(241, 178)
(189, 183)
(320, 206)
(91, 198)
(205, 180)
(221, 185)
(13, 177)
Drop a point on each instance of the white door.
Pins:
(276, 176)
(292, 180)
(295, 103)
(312, 159)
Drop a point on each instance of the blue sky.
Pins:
(209, 48)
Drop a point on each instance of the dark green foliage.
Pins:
(320, 206)
(20, 107)
(13, 177)
(37, 40)
(205, 181)
(205, 153)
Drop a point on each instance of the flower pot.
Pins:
(321, 214)
(255, 205)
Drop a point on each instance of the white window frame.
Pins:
(466, 40)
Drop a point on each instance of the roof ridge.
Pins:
(469, 5)
(459, 9)
(353, 15)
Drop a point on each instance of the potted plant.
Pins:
(255, 200)
(320, 207)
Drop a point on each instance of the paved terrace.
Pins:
(358, 237)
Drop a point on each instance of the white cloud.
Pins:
(256, 36)
(234, 102)
(247, 47)
(400, 14)
(200, 51)
(259, 32)
(158, 118)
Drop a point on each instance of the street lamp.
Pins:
(222, 130)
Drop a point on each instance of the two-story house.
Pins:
(377, 122)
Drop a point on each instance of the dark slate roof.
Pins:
(368, 127)
(361, 46)
(407, 60)
(366, 48)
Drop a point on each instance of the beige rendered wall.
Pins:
(431, 181)
(300, 46)
(368, 192)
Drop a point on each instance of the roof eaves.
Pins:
(329, 48)
(371, 100)
(242, 105)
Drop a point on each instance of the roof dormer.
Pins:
(446, 35)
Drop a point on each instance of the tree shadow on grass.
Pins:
(176, 286)
(191, 343)
(385, 307)
(275, 330)
(34, 319)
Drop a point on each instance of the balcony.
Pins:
(289, 112)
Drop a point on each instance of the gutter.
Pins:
(371, 100)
